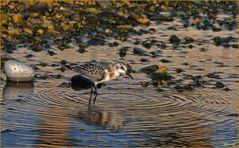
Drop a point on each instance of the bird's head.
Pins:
(122, 68)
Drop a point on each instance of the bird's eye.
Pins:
(122, 67)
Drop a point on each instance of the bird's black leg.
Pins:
(96, 94)
(91, 92)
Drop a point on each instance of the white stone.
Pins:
(18, 72)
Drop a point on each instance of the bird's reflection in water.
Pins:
(54, 126)
(97, 115)
(16, 91)
(56, 122)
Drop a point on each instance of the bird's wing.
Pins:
(90, 71)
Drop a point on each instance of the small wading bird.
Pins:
(99, 72)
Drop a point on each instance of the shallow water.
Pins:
(125, 113)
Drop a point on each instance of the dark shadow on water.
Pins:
(79, 83)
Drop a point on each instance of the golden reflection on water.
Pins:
(53, 128)
(55, 122)
(167, 118)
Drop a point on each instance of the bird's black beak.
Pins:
(129, 75)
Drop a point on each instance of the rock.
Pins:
(62, 69)
(164, 18)
(172, 28)
(114, 44)
(122, 38)
(34, 67)
(142, 31)
(197, 81)
(42, 76)
(123, 51)
(164, 83)
(81, 50)
(152, 30)
(104, 4)
(36, 48)
(144, 84)
(150, 69)
(139, 51)
(203, 49)
(29, 56)
(185, 24)
(213, 75)
(63, 62)
(233, 115)
(147, 44)
(219, 85)
(144, 60)
(216, 29)
(96, 41)
(179, 70)
(51, 53)
(82, 44)
(155, 83)
(39, 7)
(181, 87)
(165, 61)
(225, 42)
(188, 40)
(156, 54)
(18, 72)
(161, 45)
(57, 76)
(53, 65)
(160, 76)
(217, 41)
(185, 63)
(190, 46)
(42, 64)
(175, 40)
(107, 18)
(227, 89)
(160, 89)
(235, 46)
(5, 58)
(141, 20)
(137, 42)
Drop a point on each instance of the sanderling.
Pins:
(99, 72)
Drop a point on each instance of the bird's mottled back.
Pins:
(91, 71)
(104, 65)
